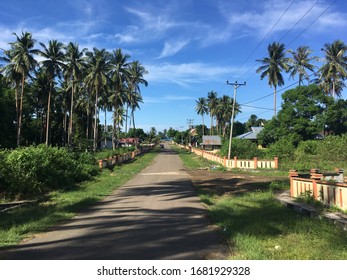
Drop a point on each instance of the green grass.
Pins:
(21, 222)
(258, 227)
(191, 160)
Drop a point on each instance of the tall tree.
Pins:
(135, 72)
(118, 74)
(224, 112)
(300, 62)
(53, 63)
(201, 109)
(212, 106)
(333, 72)
(11, 76)
(97, 77)
(22, 58)
(272, 66)
(75, 65)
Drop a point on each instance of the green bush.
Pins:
(283, 149)
(240, 148)
(35, 170)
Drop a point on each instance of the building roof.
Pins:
(128, 140)
(251, 135)
(211, 140)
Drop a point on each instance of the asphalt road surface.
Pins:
(156, 215)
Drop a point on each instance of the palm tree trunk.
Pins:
(105, 130)
(95, 121)
(203, 125)
(48, 113)
(69, 135)
(114, 131)
(16, 99)
(20, 112)
(275, 101)
(126, 120)
(87, 129)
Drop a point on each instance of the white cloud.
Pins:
(300, 15)
(185, 74)
(172, 47)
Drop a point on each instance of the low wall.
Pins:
(111, 161)
(331, 192)
(254, 163)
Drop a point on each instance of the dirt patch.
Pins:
(223, 183)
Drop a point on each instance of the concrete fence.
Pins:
(111, 161)
(330, 189)
(254, 163)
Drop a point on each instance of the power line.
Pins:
(285, 35)
(333, 2)
(262, 40)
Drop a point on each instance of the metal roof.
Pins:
(211, 140)
(251, 135)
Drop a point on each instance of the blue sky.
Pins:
(189, 47)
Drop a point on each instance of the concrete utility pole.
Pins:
(236, 86)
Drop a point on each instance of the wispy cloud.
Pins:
(172, 47)
(185, 74)
(300, 15)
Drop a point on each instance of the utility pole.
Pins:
(236, 86)
(190, 125)
(181, 127)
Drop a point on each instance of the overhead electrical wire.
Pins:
(282, 89)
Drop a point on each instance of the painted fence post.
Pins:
(292, 174)
(255, 159)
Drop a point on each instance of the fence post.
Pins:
(235, 162)
(276, 162)
(255, 162)
(292, 174)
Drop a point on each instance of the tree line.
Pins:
(306, 111)
(53, 94)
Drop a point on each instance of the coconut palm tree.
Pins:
(134, 77)
(22, 58)
(75, 66)
(272, 66)
(300, 62)
(120, 119)
(136, 99)
(333, 71)
(118, 74)
(11, 76)
(53, 63)
(201, 109)
(224, 111)
(40, 90)
(98, 67)
(212, 104)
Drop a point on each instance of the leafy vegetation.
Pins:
(37, 170)
(256, 226)
(61, 204)
(56, 99)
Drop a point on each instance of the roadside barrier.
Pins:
(254, 163)
(330, 189)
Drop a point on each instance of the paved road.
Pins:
(156, 215)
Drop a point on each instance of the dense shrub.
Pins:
(283, 149)
(243, 149)
(34, 170)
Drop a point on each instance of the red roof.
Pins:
(129, 140)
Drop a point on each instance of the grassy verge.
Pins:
(258, 227)
(19, 223)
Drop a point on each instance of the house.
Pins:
(105, 143)
(127, 142)
(251, 135)
(211, 142)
